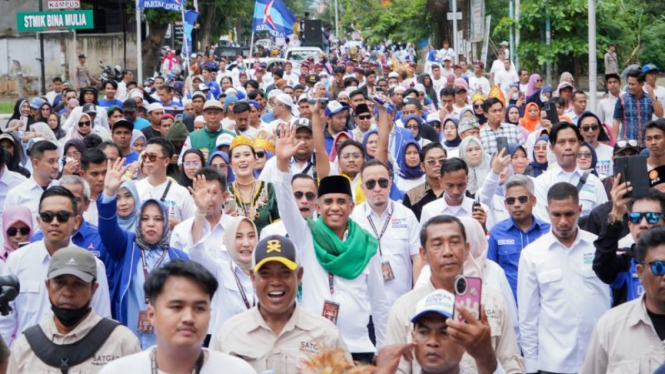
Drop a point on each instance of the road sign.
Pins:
(64, 4)
(68, 20)
(449, 16)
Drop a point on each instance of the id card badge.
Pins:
(330, 311)
(145, 327)
(387, 271)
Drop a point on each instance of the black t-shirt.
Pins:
(658, 321)
(150, 133)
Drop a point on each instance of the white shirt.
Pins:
(270, 169)
(443, 52)
(592, 193)
(27, 193)
(101, 120)
(659, 92)
(178, 201)
(457, 111)
(560, 301)
(605, 165)
(32, 306)
(438, 84)
(407, 184)
(505, 78)
(121, 92)
(606, 107)
(358, 298)
(440, 206)
(479, 85)
(275, 228)
(91, 214)
(398, 243)
(8, 180)
(181, 237)
(140, 363)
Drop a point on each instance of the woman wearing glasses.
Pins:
(477, 100)
(587, 158)
(254, 198)
(471, 151)
(220, 161)
(84, 126)
(17, 226)
(264, 151)
(415, 124)
(192, 161)
(539, 154)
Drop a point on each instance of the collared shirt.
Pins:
(119, 344)
(606, 107)
(86, 237)
(181, 237)
(8, 180)
(419, 196)
(592, 193)
(27, 194)
(503, 335)
(32, 306)
(488, 136)
(178, 201)
(249, 337)
(634, 114)
(398, 243)
(440, 206)
(270, 169)
(91, 215)
(561, 299)
(357, 298)
(507, 241)
(624, 342)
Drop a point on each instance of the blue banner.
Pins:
(173, 5)
(273, 16)
(188, 26)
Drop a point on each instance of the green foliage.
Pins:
(652, 47)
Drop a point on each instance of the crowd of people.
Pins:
(253, 221)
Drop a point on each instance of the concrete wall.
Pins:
(60, 55)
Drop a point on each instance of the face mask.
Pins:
(514, 97)
(69, 317)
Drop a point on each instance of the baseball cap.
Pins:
(129, 105)
(123, 123)
(212, 104)
(650, 67)
(223, 139)
(199, 94)
(303, 123)
(89, 108)
(301, 98)
(468, 123)
(334, 107)
(312, 78)
(155, 106)
(275, 248)
(433, 117)
(8, 137)
(36, 102)
(440, 302)
(74, 261)
(447, 58)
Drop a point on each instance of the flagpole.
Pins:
(251, 43)
(185, 40)
(139, 57)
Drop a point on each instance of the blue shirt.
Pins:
(629, 278)
(268, 117)
(141, 123)
(506, 243)
(130, 158)
(215, 90)
(109, 103)
(86, 237)
(136, 300)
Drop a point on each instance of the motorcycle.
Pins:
(109, 74)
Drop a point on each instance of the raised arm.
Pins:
(113, 237)
(384, 133)
(322, 160)
(499, 163)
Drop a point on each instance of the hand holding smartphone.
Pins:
(468, 291)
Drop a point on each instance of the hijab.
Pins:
(405, 171)
(482, 119)
(230, 177)
(534, 169)
(184, 179)
(507, 119)
(230, 231)
(477, 173)
(531, 86)
(451, 144)
(336, 143)
(17, 114)
(476, 261)
(365, 139)
(45, 129)
(594, 158)
(74, 132)
(129, 223)
(76, 143)
(163, 243)
(13, 214)
(136, 135)
(527, 123)
(418, 120)
(58, 131)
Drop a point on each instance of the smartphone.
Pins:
(468, 292)
(634, 170)
(552, 114)
(501, 143)
(521, 95)
(476, 205)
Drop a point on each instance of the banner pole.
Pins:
(139, 57)
(185, 41)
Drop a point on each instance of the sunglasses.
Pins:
(592, 128)
(411, 127)
(62, 216)
(584, 155)
(657, 267)
(522, 199)
(310, 196)
(152, 157)
(12, 231)
(626, 142)
(651, 217)
(365, 117)
(370, 184)
(478, 106)
(433, 162)
(84, 124)
(260, 154)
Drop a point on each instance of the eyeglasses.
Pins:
(587, 128)
(370, 184)
(365, 117)
(433, 162)
(84, 124)
(522, 199)
(62, 216)
(194, 164)
(260, 154)
(652, 217)
(12, 231)
(626, 142)
(152, 157)
(310, 196)
(657, 267)
(412, 127)
(584, 155)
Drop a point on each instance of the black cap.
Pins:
(275, 248)
(361, 109)
(335, 184)
(123, 123)
(89, 108)
(129, 105)
(303, 122)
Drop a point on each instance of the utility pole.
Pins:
(593, 66)
(511, 11)
(41, 54)
(336, 21)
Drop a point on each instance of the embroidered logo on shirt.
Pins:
(506, 241)
(309, 347)
(398, 223)
(588, 258)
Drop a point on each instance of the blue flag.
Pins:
(273, 16)
(188, 26)
(173, 5)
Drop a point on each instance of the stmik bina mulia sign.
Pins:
(59, 20)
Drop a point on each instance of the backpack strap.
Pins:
(582, 180)
(65, 356)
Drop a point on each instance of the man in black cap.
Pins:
(265, 328)
(362, 116)
(121, 134)
(343, 281)
(129, 109)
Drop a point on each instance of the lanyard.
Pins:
(331, 284)
(383, 230)
(145, 269)
(241, 289)
(196, 370)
